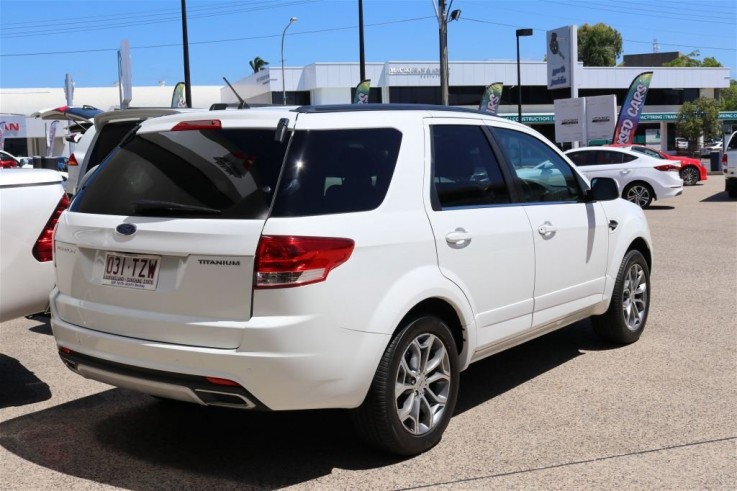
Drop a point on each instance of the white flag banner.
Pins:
(50, 138)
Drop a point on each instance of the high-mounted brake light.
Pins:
(43, 249)
(287, 261)
(667, 167)
(200, 124)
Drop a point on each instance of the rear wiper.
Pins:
(151, 206)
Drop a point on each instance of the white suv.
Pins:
(337, 257)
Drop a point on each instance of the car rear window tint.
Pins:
(225, 174)
(107, 139)
(337, 171)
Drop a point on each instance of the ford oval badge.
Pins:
(126, 229)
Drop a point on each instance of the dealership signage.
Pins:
(426, 71)
(562, 53)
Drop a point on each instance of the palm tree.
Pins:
(258, 64)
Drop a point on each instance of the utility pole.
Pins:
(362, 58)
(441, 13)
(185, 44)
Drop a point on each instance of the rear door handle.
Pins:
(546, 229)
(458, 238)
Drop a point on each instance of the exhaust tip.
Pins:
(224, 399)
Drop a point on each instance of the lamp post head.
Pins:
(524, 32)
(293, 19)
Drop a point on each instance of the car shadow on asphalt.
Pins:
(661, 207)
(18, 385)
(130, 440)
(718, 197)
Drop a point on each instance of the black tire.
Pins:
(731, 189)
(413, 421)
(690, 175)
(625, 320)
(639, 193)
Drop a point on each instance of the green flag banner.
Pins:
(490, 99)
(362, 92)
(177, 98)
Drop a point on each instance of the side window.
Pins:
(543, 174)
(337, 171)
(580, 158)
(465, 170)
(732, 145)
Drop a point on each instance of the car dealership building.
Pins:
(396, 82)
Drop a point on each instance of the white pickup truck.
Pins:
(31, 201)
(729, 165)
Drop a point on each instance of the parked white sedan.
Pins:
(32, 200)
(641, 179)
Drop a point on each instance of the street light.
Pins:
(520, 32)
(283, 87)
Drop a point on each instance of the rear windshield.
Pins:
(229, 173)
(107, 139)
(232, 174)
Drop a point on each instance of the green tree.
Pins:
(692, 60)
(698, 118)
(258, 64)
(599, 45)
(729, 97)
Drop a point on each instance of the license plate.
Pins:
(131, 271)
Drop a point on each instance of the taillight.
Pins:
(43, 249)
(72, 161)
(286, 261)
(667, 167)
(724, 163)
(200, 124)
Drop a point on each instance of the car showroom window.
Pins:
(544, 175)
(465, 170)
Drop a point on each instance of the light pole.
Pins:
(520, 32)
(283, 86)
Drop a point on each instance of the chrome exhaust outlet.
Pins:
(224, 399)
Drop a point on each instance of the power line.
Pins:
(164, 16)
(628, 40)
(247, 38)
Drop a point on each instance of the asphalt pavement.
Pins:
(565, 411)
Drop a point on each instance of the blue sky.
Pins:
(41, 41)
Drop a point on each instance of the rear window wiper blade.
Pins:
(147, 206)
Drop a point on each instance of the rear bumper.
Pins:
(287, 366)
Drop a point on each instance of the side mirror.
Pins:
(603, 189)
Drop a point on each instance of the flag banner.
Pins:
(490, 99)
(2, 135)
(362, 92)
(177, 97)
(50, 138)
(629, 114)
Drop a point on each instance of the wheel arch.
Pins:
(640, 245)
(444, 311)
(639, 181)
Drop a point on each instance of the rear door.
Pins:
(159, 244)
(484, 244)
(571, 236)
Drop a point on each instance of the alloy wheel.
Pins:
(422, 384)
(634, 297)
